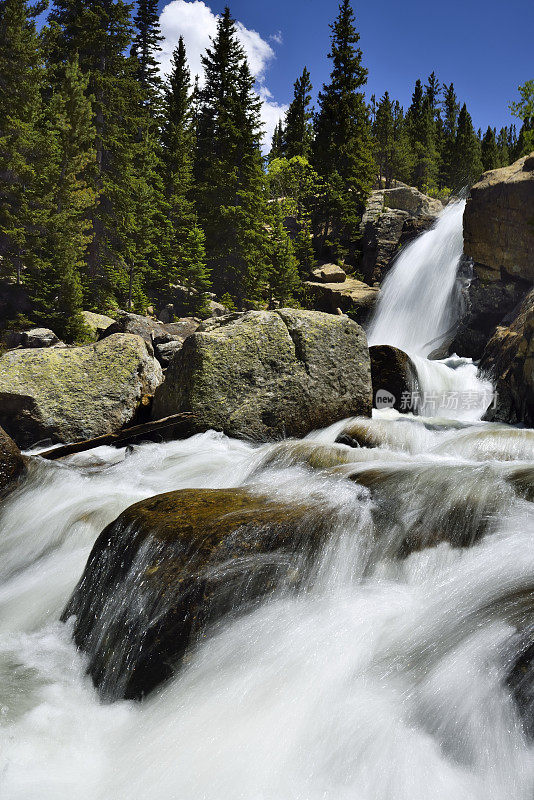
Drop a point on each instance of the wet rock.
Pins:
(172, 565)
(359, 434)
(394, 376)
(96, 324)
(392, 218)
(75, 393)
(265, 375)
(12, 465)
(499, 223)
(509, 360)
(353, 297)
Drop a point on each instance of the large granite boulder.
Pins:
(75, 393)
(509, 360)
(352, 297)
(499, 222)
(171, 565)
(12, 465)
(392, 218)
(265, 375)
(394, 378)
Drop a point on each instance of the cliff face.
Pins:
(499, 238)
(499, 223)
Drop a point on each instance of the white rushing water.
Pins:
(384, 678)
(418, 306)
(415, 310)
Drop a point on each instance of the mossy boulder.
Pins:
(172, 565)
(266, 375)
(75, 393)
(11, 463)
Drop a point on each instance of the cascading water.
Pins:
(419, 304)
(415, 309)
(385, 677)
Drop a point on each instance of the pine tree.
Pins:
(56, 287)
(21, 138)
(343, 147)
(145, 49)
(489, 150)
(282, 273)
(467, 153)
(298, 130)
(228, 168)
(432, 93)
(277, 143)
(502, 147)
(402, 155)
(187, 263)
(100, 32)
(383, 130)
(422, 132)
(524, 110)
(450, 109)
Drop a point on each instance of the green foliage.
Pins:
(467, 162)
(22, 143)
(298, 130)
(282, 271)
(524, 108)
(490, 151)
(343, 148)
(277, 143)
(228, 169)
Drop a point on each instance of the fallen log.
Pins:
(121, 438)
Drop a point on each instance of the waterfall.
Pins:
(419, 305)
(385, 675)
(415, 309)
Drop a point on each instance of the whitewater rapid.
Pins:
(383, 678)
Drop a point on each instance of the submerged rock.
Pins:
(170, 566)
(499, 222)
(509, 360)
(394, 376)
(12, 465)
(267, 375)
(75, 393)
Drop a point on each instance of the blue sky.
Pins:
(484, 48)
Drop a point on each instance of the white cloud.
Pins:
(277, 37)
(196, 22)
